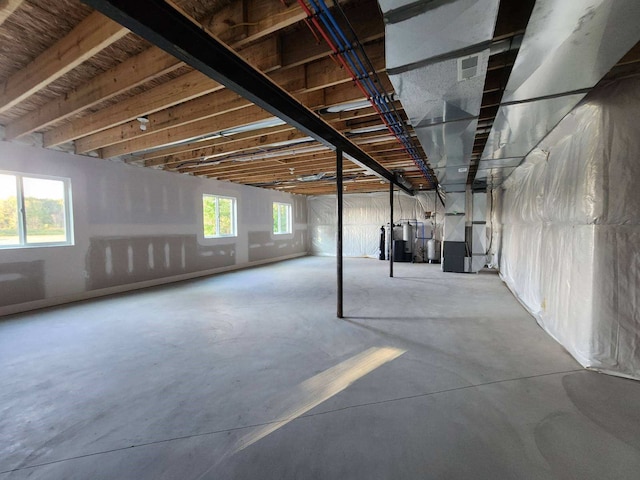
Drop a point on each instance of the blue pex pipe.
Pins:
(379, 99)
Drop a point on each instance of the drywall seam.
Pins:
(77, 297)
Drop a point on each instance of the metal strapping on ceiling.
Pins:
(567, 48)
(437, 55)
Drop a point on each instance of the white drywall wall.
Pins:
(137, 212)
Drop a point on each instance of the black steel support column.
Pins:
(391, 230)
(339, 244)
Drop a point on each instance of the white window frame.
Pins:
(22, 219)
(289, 209)
(234, 215)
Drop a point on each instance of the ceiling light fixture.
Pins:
(144, 121)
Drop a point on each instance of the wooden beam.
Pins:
(190, 85)
(225, 146)
(131, 73)
(314, 100)
(232, 169)
(267, 56)
(192, 130)
(319, 186)
(268, 174)
(270, 171)
(345, 93)
(325, 188)
(230, 22)
(230, 147)
(266, 16)
(92, 35)
(301, 189)
(300, 45)
(283, 160)
(160, 156)
(283, 163)
(186, 87)
(271, 168)
(7, 7)
(217, 103)
(293, 152)
(317, 75)
(245, 21)
(342, 121)
(361, 112)
(322, 73)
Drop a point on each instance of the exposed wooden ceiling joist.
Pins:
(317, 75)
(92, 35)
(135, 71)
(7, 7)
(161, 24)
(238, 112)
(93, 99)
(265, 55)
(177, 104)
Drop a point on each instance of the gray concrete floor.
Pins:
(193, 380)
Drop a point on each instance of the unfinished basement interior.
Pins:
(319, 239)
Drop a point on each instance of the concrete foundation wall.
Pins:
(135, 227)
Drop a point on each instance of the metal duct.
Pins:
(567, 48)
(437, 53)
(449, 144)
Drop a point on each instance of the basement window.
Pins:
(281, 218)
(34, 211)
(219, 216)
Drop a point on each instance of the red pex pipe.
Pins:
(336, 54)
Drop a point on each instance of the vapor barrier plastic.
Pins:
(571, 230)
(494, 225)
(363, 215)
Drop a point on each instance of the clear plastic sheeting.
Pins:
(363, 215)
(494, 225)
(571, 230)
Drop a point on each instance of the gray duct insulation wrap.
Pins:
(571, 231)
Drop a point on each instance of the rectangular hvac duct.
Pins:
(452, 175)
(437, 54)
(479, 214)
(500, 163)
(479, 238)
(424, 32)
(445, 91)
(570, 46)
(518, 128)
(457, 187)
(454, 229)
(567, 48)
(448, 144)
